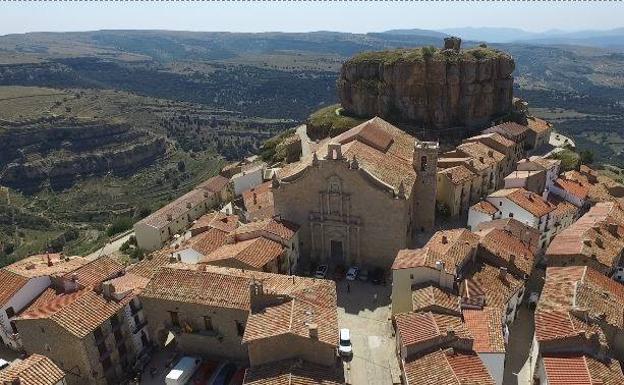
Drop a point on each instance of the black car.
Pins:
(378, 276)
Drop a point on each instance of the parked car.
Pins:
(339, 273)
(353, 272)
(4, 363)
(378, 276)
(321, 271)
(224, 375)
(182, 371)
(345, 349)
(363, 276)
(204, 373)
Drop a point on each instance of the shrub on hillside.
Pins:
(119, 225)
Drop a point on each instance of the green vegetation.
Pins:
(425, 53)
(119, 225)
(269, 150)
(330, 121)
(570, 160)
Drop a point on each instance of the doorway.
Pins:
(336, 251)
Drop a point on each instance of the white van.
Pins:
(182, 371)
(345, 348)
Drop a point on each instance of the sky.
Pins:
(297, 16)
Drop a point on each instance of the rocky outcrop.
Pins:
(431, 88)
(60, 153)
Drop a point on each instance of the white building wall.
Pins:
(246, 180)
(403, 279)
(476, 217)
(148, 237)
(135, 334)
(31, 290)
(191, 256)
(565, 195)
(495, 364)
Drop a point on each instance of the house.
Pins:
(293, 372)
(513, 151)
(446, 366)
(539, 132)
(367, 183)
(36, 369)
(479, 170)
(219, 186)
(596, 239)
(485, 161)
(601, 188)
(579, 313)
(564, 369)
(258, 202)
(251, 175)
(482, 212)
(23, 282)
(523, 205)
(214, 220)
(530, 236)
(439, 263)
(153, 231)
(96, 333)
(529, 180)
(500, 248)
(537, 163)
(571, 191)
(489, 339)
(455, 186)
(245, 316)
(513, 131)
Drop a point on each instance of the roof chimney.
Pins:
(444, 239)
(74, 277)
(490, 153)
(313, 330)
(512, 259)
(439, 265)
(502, 272)
(50, 261)
(613, 229)
(334, 151)
(108, 289)
(255, 198)
(481, 159)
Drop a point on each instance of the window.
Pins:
(13, 327)
(208, 323)
(175, 320)
(240, 328)
(10, 312)
(423, 163)
(510, 215)
(411, 276)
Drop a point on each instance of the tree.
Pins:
(587, 157)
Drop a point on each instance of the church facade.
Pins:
(362, 196)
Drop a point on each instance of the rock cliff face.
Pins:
(435, 89)
(60, 153)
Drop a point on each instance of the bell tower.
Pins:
(425, 163)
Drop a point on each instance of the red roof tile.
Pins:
(34, 370)
(447, 368)
(486, 328)
(293, 372)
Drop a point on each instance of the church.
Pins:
(361, 196)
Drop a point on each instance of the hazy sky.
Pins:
(349, 16)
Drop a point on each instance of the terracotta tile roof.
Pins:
(175, 209)
(509, 249)
(458, 174)
(562, 208)
(380, 148)
(37, 265)
(480, 151)
(255, 252)
(11, 284)
(447, 367)
(48, 295)
(217, 220)
(34, 370)
(215, 185)
(449, 246)
(530, 236)
(485, 207)
(418, 328)
(494, 136)
(566, 370)
(273, 226)
(258, 201)
(294, 317)
(574, 369)
(293, 372)
(485, 325)
(485, 283)
(151, 263)
(208, 241)
(431, 298)
(230, 288)
(573, 298)
(96, 271)
(538, 125)
(80, 313)
(537, 163)
(129, 283)
(573, 187)
(510, 130)
(598, 234)
(528, 200)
